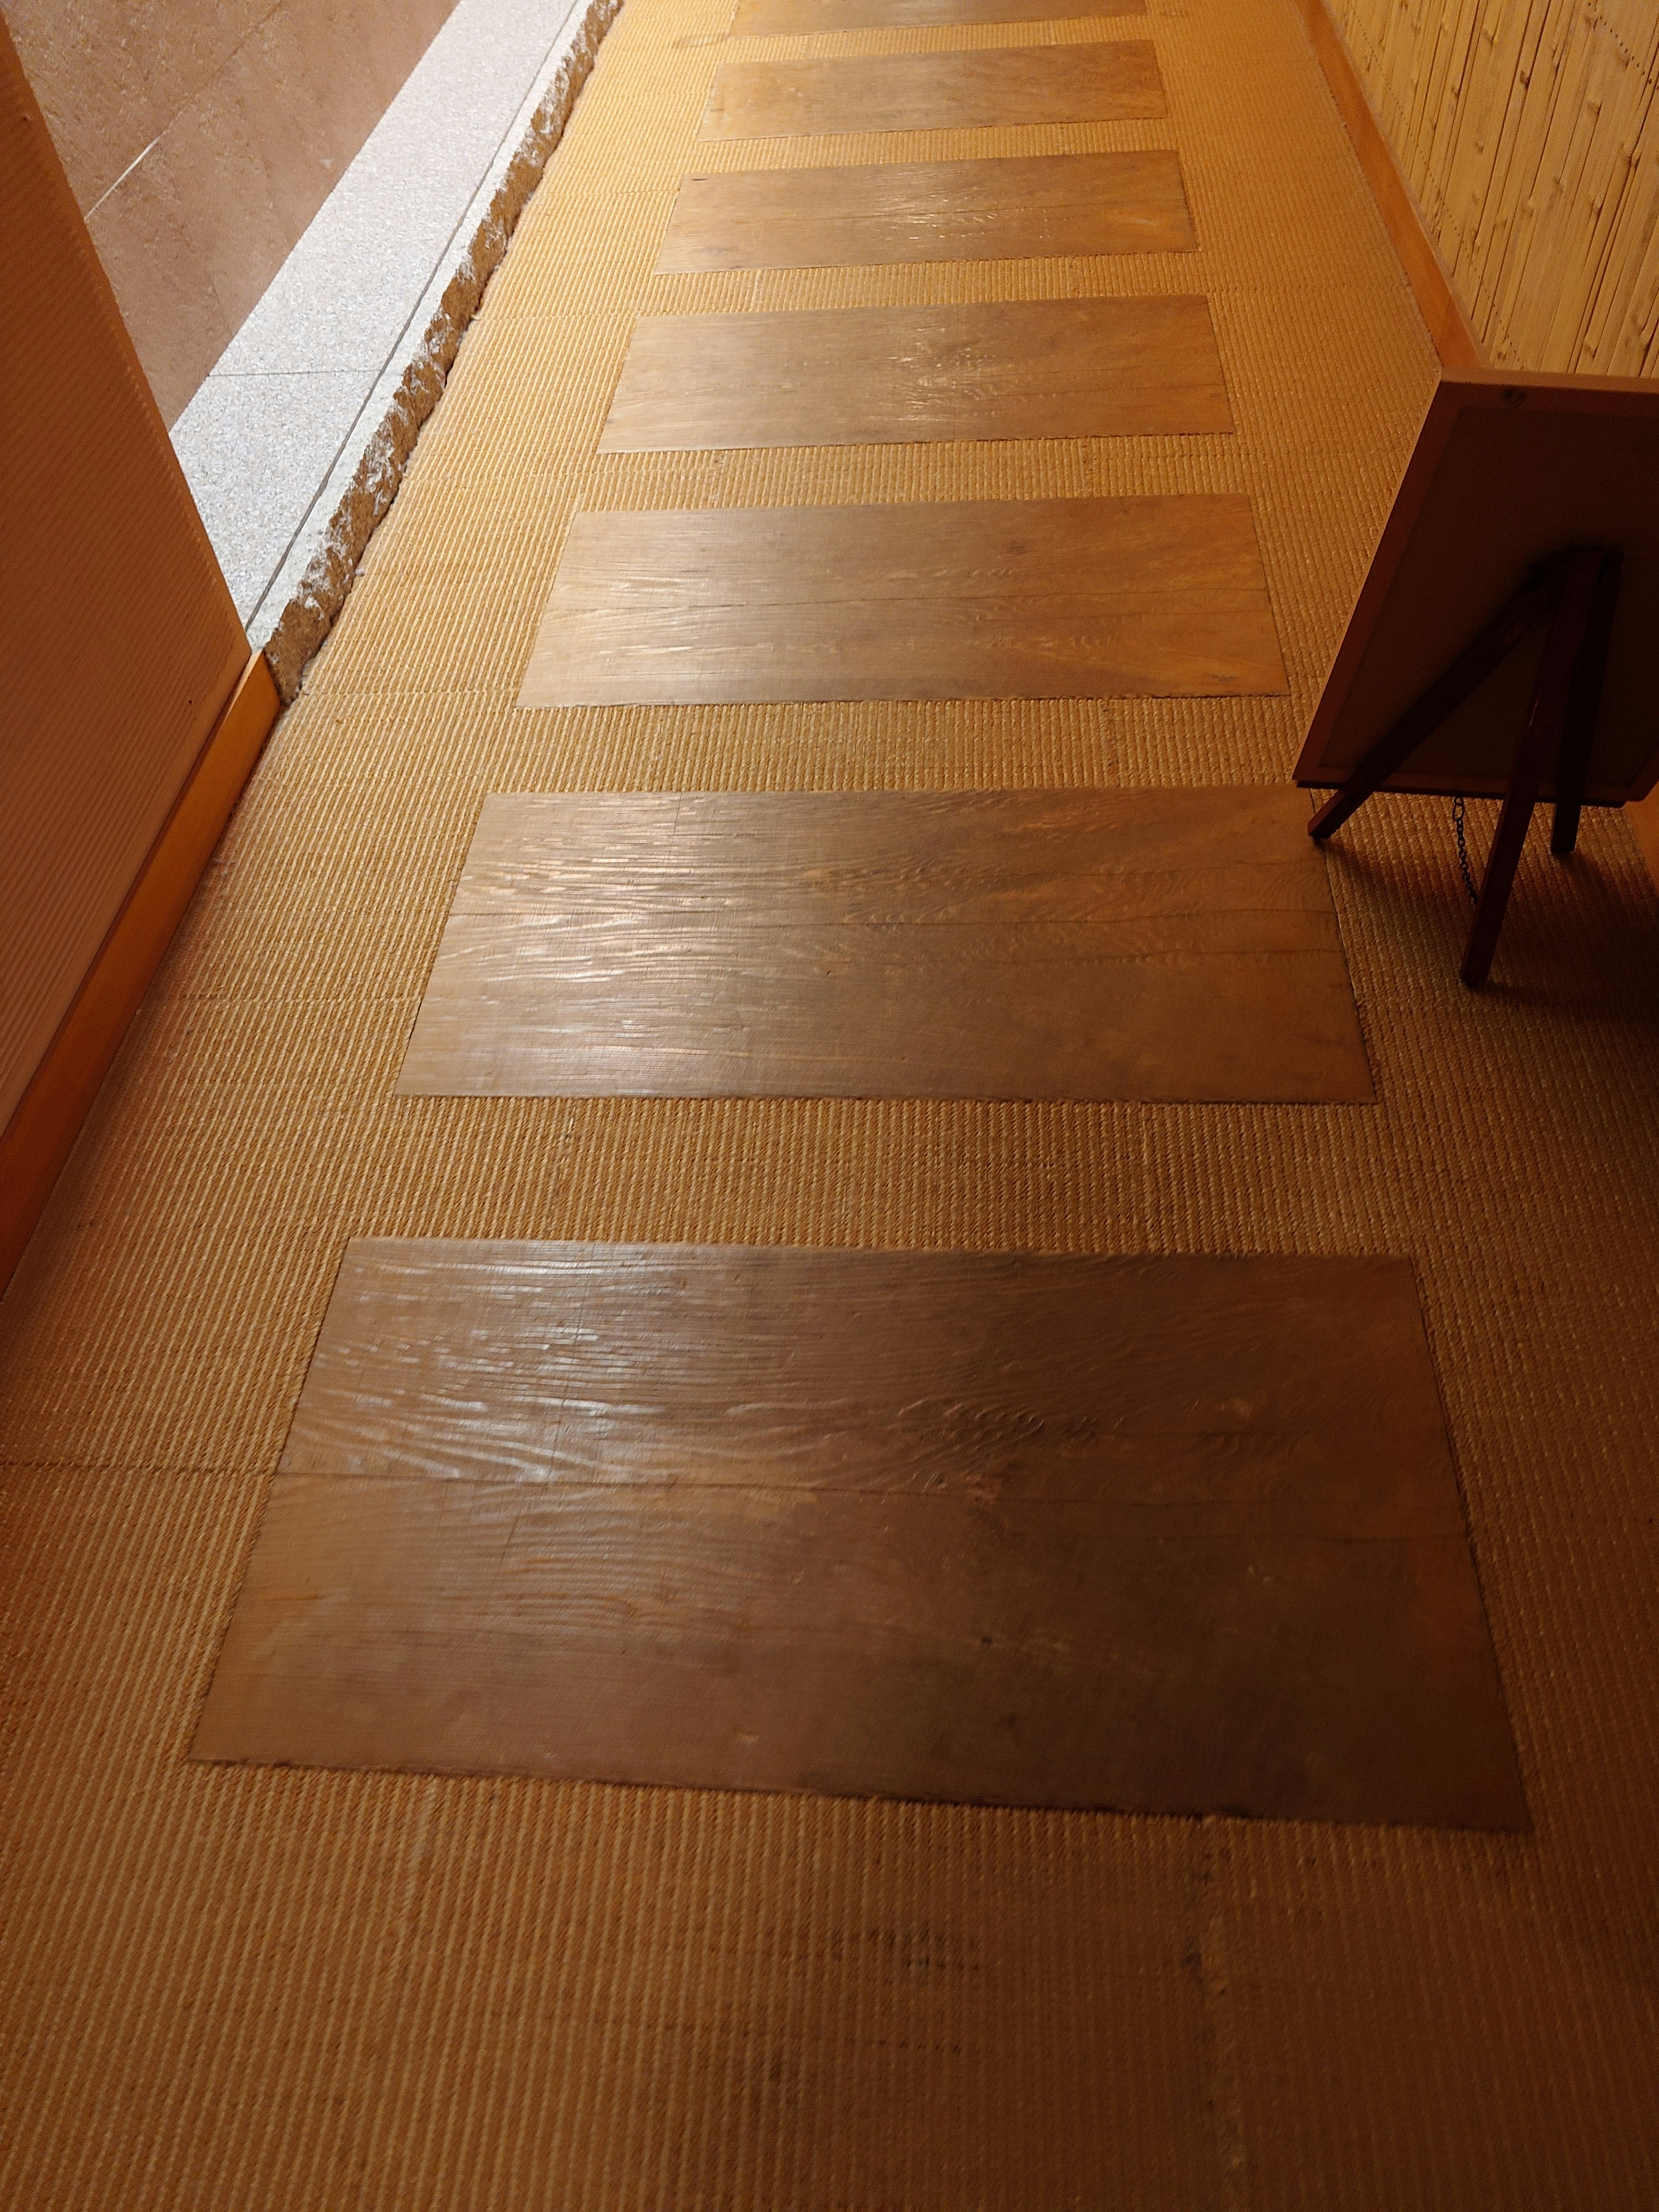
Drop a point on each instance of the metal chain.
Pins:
(1464, 870)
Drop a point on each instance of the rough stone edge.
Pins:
(322, 590)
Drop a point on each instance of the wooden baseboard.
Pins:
(47, 1118)
(1425, 272)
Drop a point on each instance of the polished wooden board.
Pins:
(1046, 205)
(993, 88)
(1036, 368)
(773, 19)
(1043, 598)
(1158, 945)
(1509, 466)
(1161, 1535)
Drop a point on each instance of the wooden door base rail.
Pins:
(1419, 257)
(47, 1118)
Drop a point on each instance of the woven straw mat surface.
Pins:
(235, 1990)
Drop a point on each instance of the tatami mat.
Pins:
(232, 1990)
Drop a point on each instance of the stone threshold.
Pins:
(295, 445)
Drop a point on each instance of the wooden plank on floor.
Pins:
(1160, 597)
(1049, 204)
(773, 19)
(1169, 944)
(1035, 368)
(1173, 1535)
(997, 88)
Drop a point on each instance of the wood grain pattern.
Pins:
(1039, 368)
(1166, 944)
(1526, 135)
(1056, 598)
(774, 19)
(997, 88)
(1166, 1535)
(835, 218)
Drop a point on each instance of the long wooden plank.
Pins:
(1174, 1534)
(997, 88)
(772, 18)
(1058, 598)
(1158, 945)
(885, 857)
(1038, 369)
(1048, 205)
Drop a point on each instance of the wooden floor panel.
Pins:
(1160, 1534)
(1057, 598)
(1158, 945)
(772, 18)
(1039, 368)
(995, 88)
(1050, 205)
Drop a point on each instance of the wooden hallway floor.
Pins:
(880, 399)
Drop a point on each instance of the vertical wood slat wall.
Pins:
(1528, 131)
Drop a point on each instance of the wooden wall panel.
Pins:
(1529, 135)
(119, 644)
